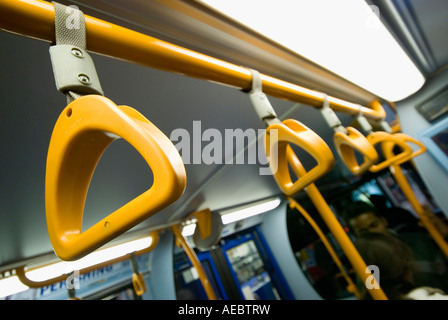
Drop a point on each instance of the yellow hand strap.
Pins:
(138, 283)
(385, 139)
(391, 140)
(347, 140)
(333, 224)
(82, 133)
(387, 148)
(293, 132)
(347, 143)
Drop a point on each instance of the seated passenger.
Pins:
(430, 265)
(394, 260)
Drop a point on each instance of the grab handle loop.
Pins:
(388, 142)
(389, 153)
(293, 132)
(347, 144)
(278, 137)
(138, 281)
(381, 138)
(347, 141)
(330, 116)
(82, 133)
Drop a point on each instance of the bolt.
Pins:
(77, 52)
(83, 78)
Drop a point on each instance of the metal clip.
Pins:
(363, 122)
(260, 101)
(79, 138)
(380, 125)
(74, 70)
(330, 116)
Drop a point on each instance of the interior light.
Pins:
(96, 257)
(250, 211)
(10, 286)
(188, 230)
(345, 37)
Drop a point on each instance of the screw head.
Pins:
(77, 52)
(83, 78)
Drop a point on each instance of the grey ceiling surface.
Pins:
(30, 106)
(420, 26)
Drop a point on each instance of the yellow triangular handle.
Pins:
(138, 283)
(391, 140)
(82, 133)
(347, 143)
(388, 148)
(293, 132)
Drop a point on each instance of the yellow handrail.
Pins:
(35, 18)
(196, 263)
(335, 227)
(351, 287)
(406, 188)
(347, 143)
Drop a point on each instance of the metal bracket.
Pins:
(330, 116)
(260, 101)
(363, 122)
(74, 70)
(380, 125)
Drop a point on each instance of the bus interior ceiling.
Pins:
(31, 105)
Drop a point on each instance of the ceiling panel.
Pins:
(31, 104)
(431, 17)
